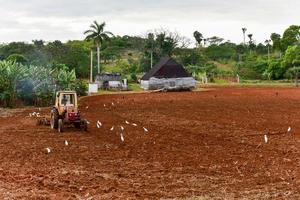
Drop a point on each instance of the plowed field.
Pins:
(199, 145)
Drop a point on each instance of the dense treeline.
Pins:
(278, 58)
(132, 55)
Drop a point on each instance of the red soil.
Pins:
(200, 144)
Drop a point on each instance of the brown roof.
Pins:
(167, 68)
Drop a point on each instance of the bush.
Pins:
(133, 77)
(81, 87)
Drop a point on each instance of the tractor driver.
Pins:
(64, 100)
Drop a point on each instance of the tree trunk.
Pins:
(91, 70)
(98, 57)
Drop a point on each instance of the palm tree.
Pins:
(250, 37)
(251, 44)
(244, 33)
(268, 42)
(98, 35)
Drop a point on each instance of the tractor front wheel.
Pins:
(54, 119)
(60, 126)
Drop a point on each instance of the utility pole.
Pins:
(98, 57)
(91, 69)
(151, 37)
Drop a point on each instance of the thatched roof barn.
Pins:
(168, 74)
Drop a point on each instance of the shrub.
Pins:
(81, 87)
(133, 77)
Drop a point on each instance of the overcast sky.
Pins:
(25, 20)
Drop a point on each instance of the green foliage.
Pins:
(97, 34)
(124, 66)
(34, 84)
(208, 69)
(291, 57)
(74, 54)
(11, 73)
(191, 57)
(18, 58)
(290, 37)
(276, 39)
(133, 77)
(293, 71)
(43, 84)
(21, 48)
(65, 80)
(131, 55)
(225, 51)
(253, 67)
(274, 71)
(81, 87)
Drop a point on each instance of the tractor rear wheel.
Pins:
(84, 125)
(54, 119)
(77, 125)
(60, 126)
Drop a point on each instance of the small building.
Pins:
(110, 81)
(168, 75)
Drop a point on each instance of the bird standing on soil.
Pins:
(66, 143)
(266, 139)
(122, 128)
(127, 122)
(99, 124)
(289, 129)
(112, 128)
(122, 137)
(146, 130)
(48, 150)
(134, 124)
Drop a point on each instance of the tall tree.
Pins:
(291, 36)
(276, 39)
(251, 43)
(198, 37)
(268, 42)
(97, 34)
(244, 34)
